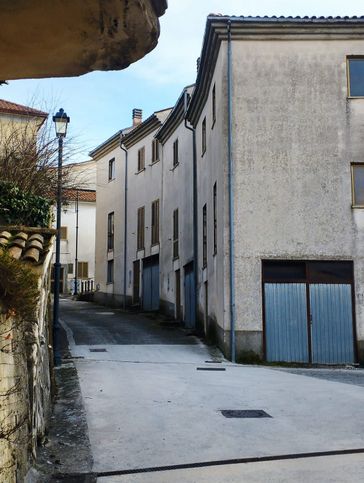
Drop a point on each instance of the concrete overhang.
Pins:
(64, 38)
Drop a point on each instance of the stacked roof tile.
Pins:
(24, 245)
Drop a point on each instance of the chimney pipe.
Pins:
(137, 117)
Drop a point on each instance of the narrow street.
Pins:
(154, 393)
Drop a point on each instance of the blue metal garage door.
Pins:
(308, 312)
(151, 283)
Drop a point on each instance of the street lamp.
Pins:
(61, 121)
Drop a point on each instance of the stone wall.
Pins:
(25, 384)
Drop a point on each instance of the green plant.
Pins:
(21, 208)
(19, 293)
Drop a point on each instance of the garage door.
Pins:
(308, 312)
(151, 283)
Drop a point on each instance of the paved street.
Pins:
(153, 399)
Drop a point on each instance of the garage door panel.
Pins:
(332, 323)
(286, 322)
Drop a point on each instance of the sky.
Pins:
(100, 103)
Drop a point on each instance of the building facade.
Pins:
(257, 195)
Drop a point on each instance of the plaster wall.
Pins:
(110, 198)
(211, 168)
(295, 134)
(144, 187)
(177, 194)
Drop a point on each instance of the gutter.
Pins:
(195, 224)
(231, 201)
(125, 217)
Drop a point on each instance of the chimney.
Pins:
(137, 117)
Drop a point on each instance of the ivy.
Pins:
(21, 208)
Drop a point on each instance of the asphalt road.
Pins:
(154, 397)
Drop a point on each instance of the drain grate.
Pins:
(210, 369)
(97, 350)
(245, 413)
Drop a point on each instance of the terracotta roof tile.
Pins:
(83, 195)
(8, 107)
(28, 244)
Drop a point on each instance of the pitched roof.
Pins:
(83, 195)
(26, 244)
(8, 107)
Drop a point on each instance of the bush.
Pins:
(20, 208)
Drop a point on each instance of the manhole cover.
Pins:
(245, 413)
(98, 350)
(210, 369)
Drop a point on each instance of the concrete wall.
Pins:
(295, 135)
(177, 187)
(212, 168)
(110, 198)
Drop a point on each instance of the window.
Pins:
(213, 100)
(203, 136)
(140, 230)
(356, 76)
(204, 236)
(141, 159)
(112, 169)
(215, 217)
(82, 269)
(175, 234)
(155, 151)
(63, 232)
(155, 222)
(110, 231)
(70, 268)
(110, 271)
(175, 153)
(357, 177)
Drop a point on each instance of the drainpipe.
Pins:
(125, 217)
(195, 224)
(76, 254)
(231, 201)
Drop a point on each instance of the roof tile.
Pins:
(8, 107)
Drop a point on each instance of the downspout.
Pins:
(231, 200)
(195, 223)
(125, 217)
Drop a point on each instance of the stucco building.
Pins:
(262, 160)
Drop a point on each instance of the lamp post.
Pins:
(61, 121)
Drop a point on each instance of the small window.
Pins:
(155, 222)
(213, 101)
(82, 269)
(63, 232)
(110, 231)
(155, 151)
(357, 176)
(141, 159)
(110, 271)
(112, 169)
(356, 76)
(203, 136)
(70, 268)
(175, 234)
(215, 216)
(175, 153)
(140, 229)
(204, 236)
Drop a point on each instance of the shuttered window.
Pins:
(213, 105)
(155, 151)
(155, 222)
(203, 137)
(141, 158)
(204, 236)
(110, 271)
(175, 153)
(140, 229)
(110, 231)
(175, 234)
(82, 269)
(214, 194)
(112, 169)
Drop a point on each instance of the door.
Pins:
(178, 294)
(189, 286)
(151, 283)
(136, 282)
(308, 312)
